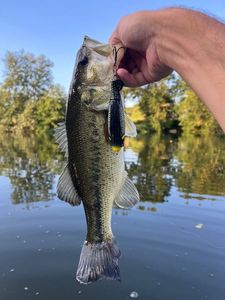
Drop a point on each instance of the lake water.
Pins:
(172, 242)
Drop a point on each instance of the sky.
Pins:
(56, 28)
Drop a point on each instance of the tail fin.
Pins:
(98, 261)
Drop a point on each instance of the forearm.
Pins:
(193, 44)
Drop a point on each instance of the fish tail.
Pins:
(98, 261)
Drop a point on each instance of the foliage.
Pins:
(157, 103)
(29, 101)
(137, 117)
(26, 76)
(50, 108)
(193, 115)
(171, 104)
(135, 113)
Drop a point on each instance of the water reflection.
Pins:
(155, 164)
(151, 173)
(202, 165)
(31, 164)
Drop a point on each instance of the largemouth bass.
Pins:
(94, 174)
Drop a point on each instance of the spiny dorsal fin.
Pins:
(128, 195)
(61, 138)
(66, 190)
(130, 128)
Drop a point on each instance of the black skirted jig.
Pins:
(116, 117)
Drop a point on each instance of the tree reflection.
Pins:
(201, 168)
(31, 164)
(194, 164)
(151, 173)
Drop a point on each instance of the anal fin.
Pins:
(66, 190)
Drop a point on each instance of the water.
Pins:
(173, 242)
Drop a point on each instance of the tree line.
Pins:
(170, 105)
(30, 101)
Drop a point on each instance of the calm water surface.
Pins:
(173, 242)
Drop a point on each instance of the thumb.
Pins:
(114, 39)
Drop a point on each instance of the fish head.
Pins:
(94, 68)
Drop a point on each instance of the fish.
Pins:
(94, 174)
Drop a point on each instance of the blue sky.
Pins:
(56, 28)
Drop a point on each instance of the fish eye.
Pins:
(84, 61)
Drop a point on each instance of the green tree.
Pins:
(50, 109)
(29, 100)
(26, 76)
(156, 101)
(193, 115)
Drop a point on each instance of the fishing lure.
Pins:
(116, 115)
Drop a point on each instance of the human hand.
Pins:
(141, 63)
(187, 41)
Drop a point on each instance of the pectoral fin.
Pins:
(128, 195)
(130, 128)
(66, 190)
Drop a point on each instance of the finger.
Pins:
(114, 39)
(131, 80)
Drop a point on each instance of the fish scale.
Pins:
(88, 150)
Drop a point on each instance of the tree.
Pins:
(193, 115)
(171, 103)
(29, 100)
(50, 108)
(156, 101)
(26, 76)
